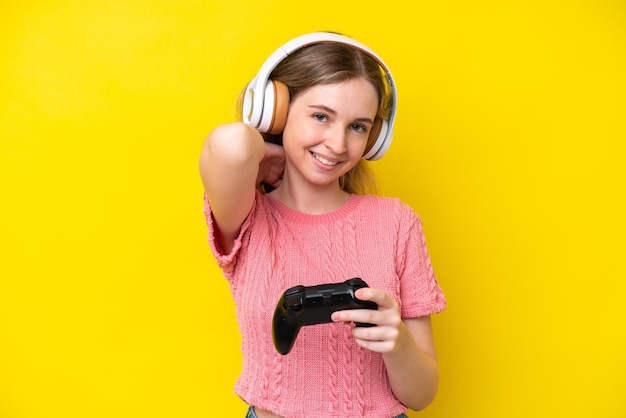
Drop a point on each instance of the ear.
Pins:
(280, 107)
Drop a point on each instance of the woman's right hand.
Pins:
(272, 166)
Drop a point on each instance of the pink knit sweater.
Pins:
(326, 374)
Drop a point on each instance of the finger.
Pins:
(365, 316)
(382, 299)
(379, 333)
(277, 182)
(377, 346)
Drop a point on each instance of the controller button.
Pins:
(326, 299)
(293, 301)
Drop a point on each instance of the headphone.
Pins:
(266, 101)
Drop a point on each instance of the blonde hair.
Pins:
(329, 63)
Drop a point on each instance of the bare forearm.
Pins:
(413, 373)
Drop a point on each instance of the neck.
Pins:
(311, 199)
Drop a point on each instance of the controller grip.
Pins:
(284, 332)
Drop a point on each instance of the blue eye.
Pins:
(320, 117)
(358, 128)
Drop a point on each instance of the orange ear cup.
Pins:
(281, 107)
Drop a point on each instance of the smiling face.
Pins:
(327, 130)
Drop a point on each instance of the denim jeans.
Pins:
(251, 414)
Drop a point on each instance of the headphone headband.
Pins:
(259, 100)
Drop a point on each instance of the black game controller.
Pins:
(312, 305)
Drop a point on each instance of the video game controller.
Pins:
(301, 305)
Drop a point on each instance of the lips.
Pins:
(324, 161)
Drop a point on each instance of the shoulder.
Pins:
(393, 216)
(387, 206)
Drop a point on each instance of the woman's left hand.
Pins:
(383, 337)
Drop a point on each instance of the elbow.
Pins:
(421, 402)
(232, 144)
(422, 396)
(420, 406)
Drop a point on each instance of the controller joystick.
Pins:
(302, 305)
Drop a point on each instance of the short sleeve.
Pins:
(420, 291)
(226, 262)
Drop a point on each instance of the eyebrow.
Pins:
(334, 113)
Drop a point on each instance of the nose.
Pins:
(336, 140)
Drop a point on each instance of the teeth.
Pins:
(324, 161)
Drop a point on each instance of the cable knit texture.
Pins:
(326, 374)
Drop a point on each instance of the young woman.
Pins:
(319, 225)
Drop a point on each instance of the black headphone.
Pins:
(266, 101)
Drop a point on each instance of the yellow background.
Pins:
(509, 143)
